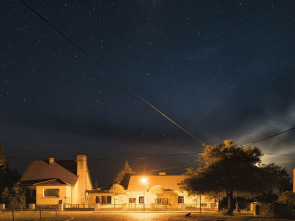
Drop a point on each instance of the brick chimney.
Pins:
(82, 177)
(51, 161)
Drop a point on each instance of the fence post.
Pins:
(40, 213)
(12, 214)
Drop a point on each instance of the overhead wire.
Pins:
(110, 73)
(266, 138)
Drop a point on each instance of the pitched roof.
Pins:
(65, 171)
(126, 180)
(168, 182)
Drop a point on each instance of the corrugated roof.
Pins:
(42, 170)
(168, 182)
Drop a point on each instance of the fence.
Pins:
(28, 211)
(138, 206)
(30, 207)
(123, 206)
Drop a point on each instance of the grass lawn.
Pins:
(33, 215)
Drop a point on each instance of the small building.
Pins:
(138, 194)
(55, 182)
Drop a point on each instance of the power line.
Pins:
(106, 159)
(116, 78)
(168, 168)
(140, 158)
(172, 155)
(274, 135)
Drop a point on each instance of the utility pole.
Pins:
(200, 203)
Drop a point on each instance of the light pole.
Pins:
(144, 181)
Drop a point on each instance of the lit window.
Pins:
(132, 200)
(51, 193)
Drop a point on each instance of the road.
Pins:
(156, 216)
(91, 216)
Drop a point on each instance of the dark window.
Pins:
(165, 201)
(109, 199)
(159, 201)
(162, 201)
(132, 200)
(97, 199)
(106, 200)
(51, 192)
(180, 199)
(141, 199)
(103, 200)
(33, 194)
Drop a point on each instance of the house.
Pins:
(58, 181)
(139, 193)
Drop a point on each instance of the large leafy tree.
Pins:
(120, 176)
(228, 169)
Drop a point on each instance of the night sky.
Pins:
(221, 69)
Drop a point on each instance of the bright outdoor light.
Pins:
(143, 180)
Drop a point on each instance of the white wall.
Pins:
(41, 200)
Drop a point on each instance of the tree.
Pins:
(2, 158)
(230, 170)
(15, 198)
(120, 176)
(116, 189)
(288, 198)
(284, 182)
(5, 195)
(8, 176)
(95, 185)
(157, 190)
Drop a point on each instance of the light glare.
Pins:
(143, 180)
